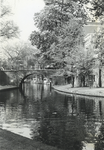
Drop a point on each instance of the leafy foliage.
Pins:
(21, 55)
(60, 31)
(7, 27)
(99, 45)
(98, 7)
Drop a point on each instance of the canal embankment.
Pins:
(7, 87)
(11, 141)
(85, 91)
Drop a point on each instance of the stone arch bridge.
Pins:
(17, 77)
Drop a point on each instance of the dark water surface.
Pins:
(63, 121)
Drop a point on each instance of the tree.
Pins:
(99, 51)
(60, 30)
(21, 55)
(7, 27)
(97, 8)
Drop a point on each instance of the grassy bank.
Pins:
(11, 141)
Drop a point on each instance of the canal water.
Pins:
(65, 121)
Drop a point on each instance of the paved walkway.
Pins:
(86, 91)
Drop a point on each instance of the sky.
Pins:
(23, 13)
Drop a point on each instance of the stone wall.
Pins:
(4, 79)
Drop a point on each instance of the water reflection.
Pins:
(66, 122)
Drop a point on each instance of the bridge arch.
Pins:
(21, 82)
(44, 74)
(20, 75)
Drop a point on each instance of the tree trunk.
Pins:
(83, 81)
(72, 81)
(100, 82)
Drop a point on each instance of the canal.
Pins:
(65, 121)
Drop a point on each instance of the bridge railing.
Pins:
(16, 70)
